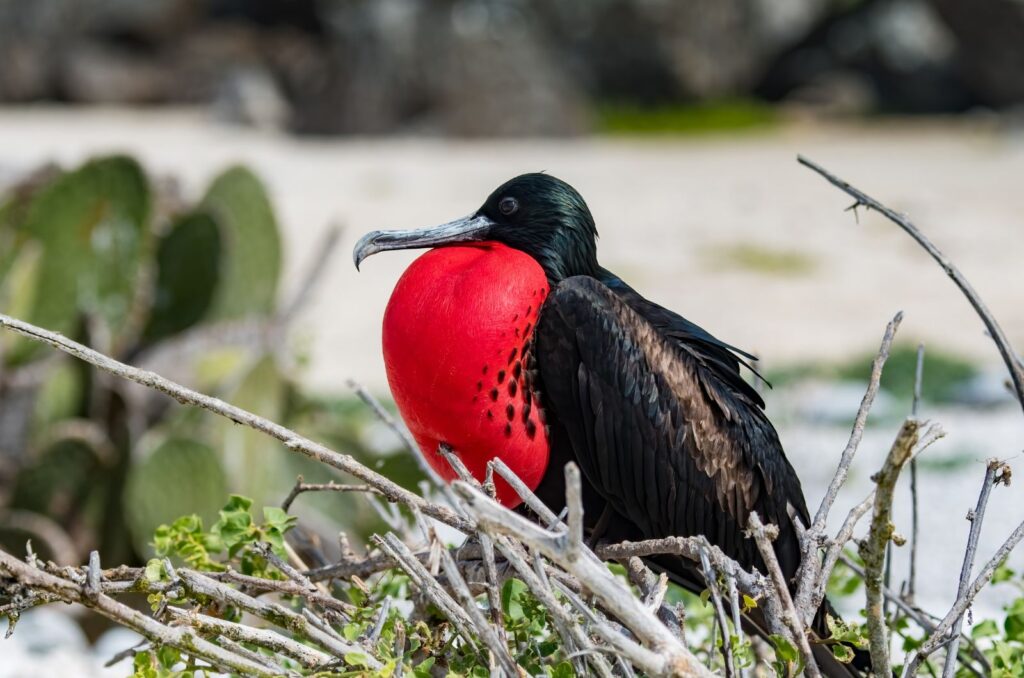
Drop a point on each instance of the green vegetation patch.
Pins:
(725, 115)
(761, 259)
(943, 373)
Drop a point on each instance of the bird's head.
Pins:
(535, 213)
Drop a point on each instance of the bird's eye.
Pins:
(508, 206)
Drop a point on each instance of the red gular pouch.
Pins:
(457, 342)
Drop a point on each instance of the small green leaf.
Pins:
(1014, 624)
(143, 665)
(168, 656)
(985, 629)
(154, 570)
(1002, 574)
(235, 526)
(843, 653)
(748, 603)
(276, 517)
(357, 659)
(563, 670)
(510, 598)
(783, 648)
(423, 669)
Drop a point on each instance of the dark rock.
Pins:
(464, 68)
(990, 40)
(94, 72)
(880, 55)
(662, 50)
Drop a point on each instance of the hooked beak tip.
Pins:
(366, 247)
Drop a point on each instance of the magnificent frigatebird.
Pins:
(508, 339)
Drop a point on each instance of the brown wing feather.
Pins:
(660, 437)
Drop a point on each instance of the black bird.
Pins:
(670, 438)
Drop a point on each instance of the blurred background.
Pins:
(170, 172)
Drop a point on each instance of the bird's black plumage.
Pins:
(670, 438)
(660, 427)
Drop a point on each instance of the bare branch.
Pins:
(940, 636)
(546, 515)
(568, 627)
(484, 630)
(923, 619)
(157, 633)
(301, 487)
(1009, 355)
(399, 430)
(254, 656)
(859, 424)
(716, 597)
(293, 441)
(914, 505)
(274, 613)
(763, 536)
(873, 548)
(308, 656)
(753, 584)
(977, 516)
(426, 582)
(669, 656)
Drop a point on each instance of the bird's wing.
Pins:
(654, 430)
(722, 359)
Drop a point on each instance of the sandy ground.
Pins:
(667, 209)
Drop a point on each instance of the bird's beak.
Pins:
(473, 228)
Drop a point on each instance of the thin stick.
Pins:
(301, 486)
(1007, 352)
(308, 656)
(669, 656)
(546, 515)
(976, 517)
(940, 636)
(254, 656)
(426, 582)
(716, 597)
(914, 505)
(567, 627)
(181, 638)
(763, 536)
(277, 614)
(859, 423)
(314, 273)
(734, 604)
(810, 574)
(292, 440)
(753, 584)
(399, 430)
(485, 631)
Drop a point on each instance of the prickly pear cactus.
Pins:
(94, 254)
(179, 477)
(251, 244)
(92, 226)
(188, 259)
(254, 460)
